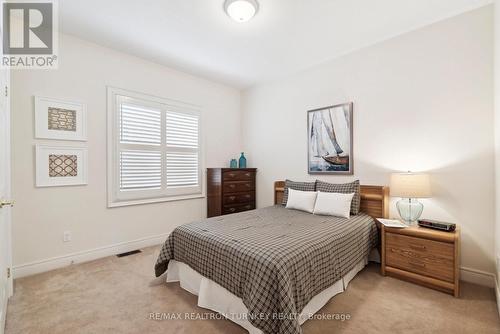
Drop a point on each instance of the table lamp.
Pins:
(410, 186)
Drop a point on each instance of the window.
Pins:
(154, 150)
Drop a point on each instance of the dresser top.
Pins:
(234, 169)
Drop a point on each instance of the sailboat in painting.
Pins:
(330, 139)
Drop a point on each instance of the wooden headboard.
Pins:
(374, 199)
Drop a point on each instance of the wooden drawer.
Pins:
(238, 186)
(230, 190)
(238, 175)
(421, 256)
(239, 198)
(227, 209)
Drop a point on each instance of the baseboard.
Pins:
(41, 266)
(477, 277)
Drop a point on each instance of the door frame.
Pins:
(8, 177)
(7, 159)
(6, 211)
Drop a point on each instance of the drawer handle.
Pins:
(248, 207)
(232, 209)
(231, 175)
(418, 247)
(247, 174)
(417, 264)
(232, 186)
(247, 196)
(248, 185)
(232, 198)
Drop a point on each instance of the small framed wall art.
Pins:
(58, 119)
(60, 166)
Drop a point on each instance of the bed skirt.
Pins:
(216, 298)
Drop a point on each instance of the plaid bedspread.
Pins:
(275, 259)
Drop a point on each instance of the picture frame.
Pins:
(330, 140)
(58, 165)
(60, 119)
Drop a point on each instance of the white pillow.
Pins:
(333, 204)
(301, 200)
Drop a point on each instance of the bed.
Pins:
(270, 269)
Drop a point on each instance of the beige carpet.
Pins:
(117, 295)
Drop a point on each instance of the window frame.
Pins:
(117, 198)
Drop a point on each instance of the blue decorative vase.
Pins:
(243, 161)
(233, 163)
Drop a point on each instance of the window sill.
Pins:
(117, 203)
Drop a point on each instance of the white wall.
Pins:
(42, 214)
(422, 101)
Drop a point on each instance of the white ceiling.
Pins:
(286, 36)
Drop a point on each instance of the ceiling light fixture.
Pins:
(241, 10)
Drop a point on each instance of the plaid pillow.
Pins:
(302, 186)
(346, 188)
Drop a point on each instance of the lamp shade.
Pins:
(410, 185)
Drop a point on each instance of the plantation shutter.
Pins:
(139, 125)
(140, 162)
(157, 150)
(140, 170)
(182, 156)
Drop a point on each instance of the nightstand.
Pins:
(424, 256)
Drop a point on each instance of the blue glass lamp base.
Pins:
(410, 209)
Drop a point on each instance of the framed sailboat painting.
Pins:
(330, 140)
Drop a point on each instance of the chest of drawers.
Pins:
(230, 190)
(424, 256)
